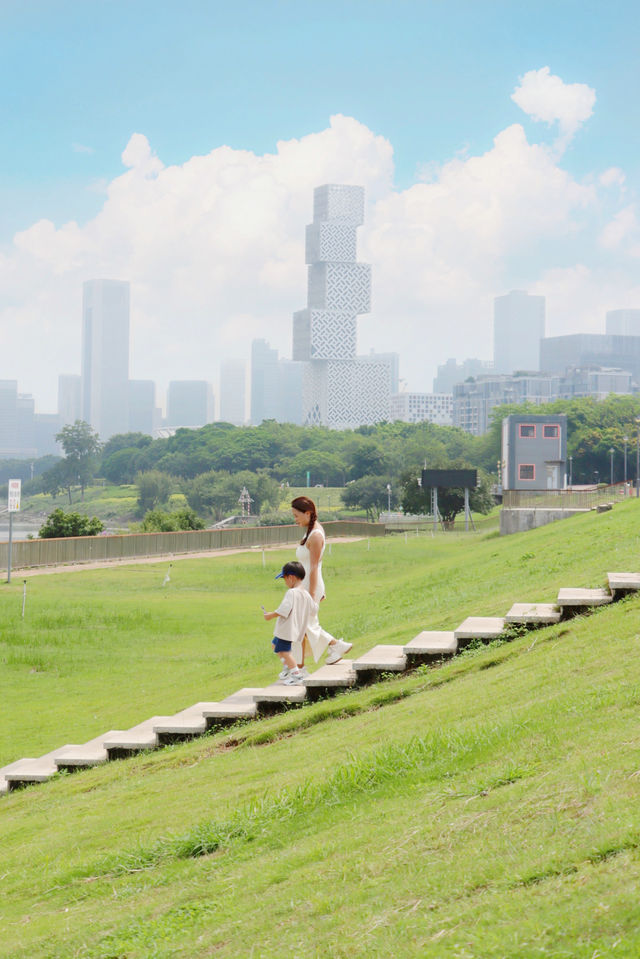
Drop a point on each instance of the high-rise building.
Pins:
(189, 403)
(518, 327)
(450, 373)
(340, 389)
(143, 415)
(276, 386)
(265, 393)
(17, 434)
(69, 398)
(232, 392)
(623, 322)
(583, 350)
(418, 407)
(105, 356)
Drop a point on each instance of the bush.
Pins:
(159, 521)
(59, 524)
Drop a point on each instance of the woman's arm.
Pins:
(314, 545)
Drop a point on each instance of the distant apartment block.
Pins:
(623, 323)
(418, 407)
(24, 434)
(474, 402)
(518, 327)
(189, 403)
(233, 392)
(105, 356)
(451, 372)
(534, 452)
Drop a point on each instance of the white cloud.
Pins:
(612, 177)
(544, 96)
(623, 231)
(81, 148)
(214, 250)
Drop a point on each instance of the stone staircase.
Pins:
(251, 703)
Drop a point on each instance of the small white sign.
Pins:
(15, 487)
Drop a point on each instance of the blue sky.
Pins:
(432, 76)
(428, 89)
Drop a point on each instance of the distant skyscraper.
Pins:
(17, 435)
(69, 398)
(623, 322)
(450, 373)
(518, 327)
(265, 393)
(142, 406)
(189, 403)
(340, 389)
(232, 391)
(105, 356)
(276, 386)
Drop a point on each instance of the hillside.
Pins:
(486, 808)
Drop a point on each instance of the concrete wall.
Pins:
(521, 520)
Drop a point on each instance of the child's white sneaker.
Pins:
(295, 678)
(284, 672)
(337, 651)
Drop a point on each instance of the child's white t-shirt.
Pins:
(294, 613)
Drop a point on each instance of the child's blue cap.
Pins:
(280, 574)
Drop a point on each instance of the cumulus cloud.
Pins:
(214, 250)
(545, 97)
(623, 231)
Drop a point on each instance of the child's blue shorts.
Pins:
(281, 645)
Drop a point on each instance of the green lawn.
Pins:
(487, 808)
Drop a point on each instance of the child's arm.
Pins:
(268, 616)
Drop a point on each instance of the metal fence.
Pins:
(565, 499)
(91, 549)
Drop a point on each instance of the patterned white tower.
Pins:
(338, 390)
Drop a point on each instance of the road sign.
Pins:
(15, 486)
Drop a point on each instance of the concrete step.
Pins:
(574, 598)
(239, 705)
(32, 770)
(4, 782)
(140, 737)
(92, 753)
(341, 674)
(533, 614)
(485, 628)
(279, 694)
(623, 582)
(431, 644)
(188, 722)
(381, 659)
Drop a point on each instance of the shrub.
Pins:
(59, 524)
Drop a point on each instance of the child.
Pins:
(293, 615)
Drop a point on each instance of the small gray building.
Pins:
(534, 452)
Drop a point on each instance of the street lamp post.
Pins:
(611, 473)
(626, 440)
(597, 477)
(389, 498)
(570, 470)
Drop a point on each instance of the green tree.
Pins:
(370, 493)
(153, 490)
(60, 524)
(160, 521)
(81, 446)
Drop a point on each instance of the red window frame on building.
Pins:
(528, 426)
(550, 426)
(526, 479)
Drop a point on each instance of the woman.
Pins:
(309, 553)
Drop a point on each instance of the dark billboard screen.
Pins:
(450, 479)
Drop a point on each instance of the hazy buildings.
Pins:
(189, 403)
(232, 392)
(623, 322)
(24, 434)
(418, 407)
(143, 415)
(451, 372)
(583, 350)
(276, 386)
(341, 390)
(518, 327)
(105, 356)
(69, 398)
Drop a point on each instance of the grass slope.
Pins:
(486, 808)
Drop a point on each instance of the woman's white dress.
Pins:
(318, 637)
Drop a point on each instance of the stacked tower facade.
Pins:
(339, 390)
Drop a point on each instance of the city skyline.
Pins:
(495, 145)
